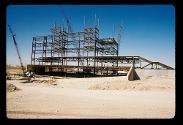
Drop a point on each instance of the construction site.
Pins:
(79, 74)
(84, 52)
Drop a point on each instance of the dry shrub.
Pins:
(12, 88)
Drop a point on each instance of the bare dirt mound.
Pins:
(150, 83)
(45, 82)
(123, 85)
(11, 88)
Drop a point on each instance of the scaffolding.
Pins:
(79, 52)
(64, 43)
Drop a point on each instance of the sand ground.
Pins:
(106, 97)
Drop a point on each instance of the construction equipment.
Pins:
(16, 46)
(70, 31)
(27, 75)
(69, 27)
(118, 37)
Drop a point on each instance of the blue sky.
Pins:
(149, 30)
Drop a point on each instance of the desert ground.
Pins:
(102, 97)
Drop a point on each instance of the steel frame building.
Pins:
(82, 52)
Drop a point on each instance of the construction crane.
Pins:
(70, 31)
(119, 34)
(66, 18)
(16, 46)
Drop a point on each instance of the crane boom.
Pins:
(16, 46)
(119, 34)
(69, 27)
